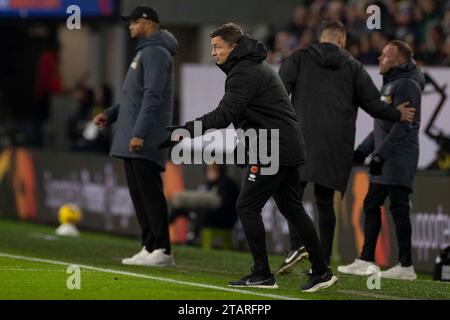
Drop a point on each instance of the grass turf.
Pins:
(24, 279)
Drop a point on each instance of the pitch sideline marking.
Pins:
(374, 295)
(144, 276)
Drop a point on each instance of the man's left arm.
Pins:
(155, 65)
(407, 90)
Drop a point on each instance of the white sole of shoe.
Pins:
(148, 264)
(275, 286)
(288, 268)
(322, 285)
(400, 278)
(355, 272)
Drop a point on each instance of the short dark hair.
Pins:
(333, 25)
(229, 32)
(404, 48)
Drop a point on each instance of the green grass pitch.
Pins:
(34, 262)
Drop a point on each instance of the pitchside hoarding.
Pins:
(56, 9)
(34, 184)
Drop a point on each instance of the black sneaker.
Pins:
(309, 271)
(255, 281)
(291, 259)
(319, 281)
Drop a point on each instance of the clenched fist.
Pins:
(101, 120)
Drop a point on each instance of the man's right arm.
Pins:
(289, 71)
(367, 97)
(112, 113)
(107, 117)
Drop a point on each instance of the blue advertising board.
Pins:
(35, 9)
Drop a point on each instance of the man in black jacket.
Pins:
(395, 155)
(255, 98)
(327, 86)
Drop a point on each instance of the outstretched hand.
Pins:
(168, 142)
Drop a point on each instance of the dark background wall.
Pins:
(193, 11)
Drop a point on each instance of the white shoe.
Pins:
(157, 258)
(399, 272)
(359, 268)
(132, 261)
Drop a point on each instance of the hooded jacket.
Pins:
(327, 86)
(398, 143)
(146, 102)
(255, 98)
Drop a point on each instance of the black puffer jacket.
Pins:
(328, 85)
(255, 98)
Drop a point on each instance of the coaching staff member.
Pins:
(328, 85)
(255, 96)
(143, 113)
(395, 155)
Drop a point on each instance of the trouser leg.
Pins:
(327, 218)
(150, 188)
(372, 219)
(256, 191)
(289, 201)
(294, 236)
(400, 207)
(139, 207)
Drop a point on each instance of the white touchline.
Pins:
(139, 275)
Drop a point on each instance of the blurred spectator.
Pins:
(429, 13)
(407, 30)
(446, 19)
(47, 83)
(299, 22)
(212, 206)
(306, 39)
(82, 135)
(446, 52)
(432, 53)
(84, 98)
(284, 44)
(378, 41)
(353, 48)
(367, 55)
(424, 24)
(334, 11)
(355, 18)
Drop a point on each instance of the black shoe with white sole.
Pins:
(255, 280)
(319, 281)
(291, 259)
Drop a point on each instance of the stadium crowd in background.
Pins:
(424, 24)
(90, 102)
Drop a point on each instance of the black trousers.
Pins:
(327, 220)
(146, 191)
(399, 207)
(285, 189)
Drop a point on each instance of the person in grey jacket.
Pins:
(395, 155)
(143, 113)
